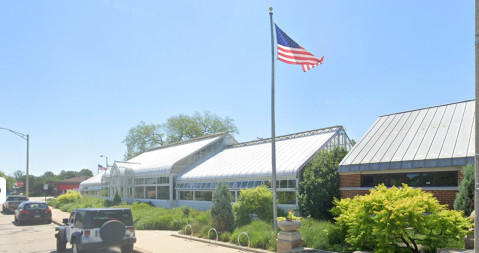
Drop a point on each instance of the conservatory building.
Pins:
(187, 173)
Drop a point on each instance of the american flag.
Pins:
(101, 167)
(290, 52)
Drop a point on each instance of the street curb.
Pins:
(222, 244)
(135, 249)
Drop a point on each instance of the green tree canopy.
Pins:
(320, 184)
(85, 172)
(177, 128)
(142, 137)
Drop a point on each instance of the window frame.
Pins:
(421, 183)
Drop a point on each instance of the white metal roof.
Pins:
(160, 161)
(438, 136)
(92, 181)
(253, 159)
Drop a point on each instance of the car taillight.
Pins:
(132, 229)
(48, 211)
(24, 211)
(86, 233)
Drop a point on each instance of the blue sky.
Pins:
(77, 75)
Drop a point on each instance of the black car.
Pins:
(33, 211)
(12, 202)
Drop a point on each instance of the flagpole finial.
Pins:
(270, 8)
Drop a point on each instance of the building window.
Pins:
(150, 192)
(411, 179)
(448, 178)
(163, 192)
(186, 195)
(139, 192)
(286, 197)
(367, 180)
(429, 179)
(395, 180)
(203, 195)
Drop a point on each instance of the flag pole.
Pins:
(273, 137)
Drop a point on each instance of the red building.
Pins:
(62, 186)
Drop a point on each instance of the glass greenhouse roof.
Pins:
(253, 159)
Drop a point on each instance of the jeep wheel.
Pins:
(61, 245)
(112, 232)
(75, 248)
(127, 248)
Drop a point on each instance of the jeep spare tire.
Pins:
(112, 231)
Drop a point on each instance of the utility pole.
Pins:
(476, 151)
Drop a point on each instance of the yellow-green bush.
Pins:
(68, 197)
(391, 220)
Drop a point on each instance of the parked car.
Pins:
(97, 228)
(12, 202)
(33, 211)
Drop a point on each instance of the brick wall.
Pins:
(351, 193)
(444, 197)
(353, 180)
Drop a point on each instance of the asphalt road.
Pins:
(30, 238)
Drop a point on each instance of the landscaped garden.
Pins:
(387, 220)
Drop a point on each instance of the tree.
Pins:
(391, 220)
(85, 172)
(67, 174)
(19, 175)
(141, 138)
(183, 127)
(320, 184)
(177, 128)
(465, 198)
(221, 211)
(254, 203)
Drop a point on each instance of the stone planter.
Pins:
(289, 226)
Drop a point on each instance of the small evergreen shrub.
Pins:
(221, 211)
(116, 199)
(465, 198)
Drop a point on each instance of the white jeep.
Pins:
(96, 228)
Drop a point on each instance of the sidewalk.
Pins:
(152, 241)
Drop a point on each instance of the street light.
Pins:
(25, 137)
(106, 160)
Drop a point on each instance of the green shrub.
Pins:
(224, 236)
(261, 235)
(254, 203)
(116, 199)
(320, 184)
(314, 233)
(465, 198)
(68, 197)
(221, 211)
(395, 219)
